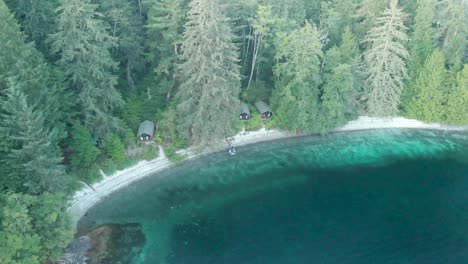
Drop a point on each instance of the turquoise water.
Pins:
(383, 196)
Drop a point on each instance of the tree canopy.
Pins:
(77, 77)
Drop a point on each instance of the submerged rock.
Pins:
(75, 253)
(113, 243)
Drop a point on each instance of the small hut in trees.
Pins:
(146, 131)
(244, 112)
(264, 109)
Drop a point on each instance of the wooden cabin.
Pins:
(264, 109)
(244, 112)
(146, 131)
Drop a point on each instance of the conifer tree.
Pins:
(296, 98)
(457, 105)
(23, 64)
(422, 43)
(428, 103)
(36, 19)
(115, 150)
(452, 31)
(165, 32)
(84, 153)
(126, 25)
(338, 15)
(336, 98)
(385, 60)
(83, 43)
(342, 82)
(210, 75)
(29, 159)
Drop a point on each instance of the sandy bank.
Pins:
(84, 199)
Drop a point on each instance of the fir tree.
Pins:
(83, 44)
(336, 98)
(428, 103)
(84, 154)
(165, 28)
(23, 64)
(457, 105)
(126, 25)
(422, 44)
(115, 150)
(210, 75)
(452, 31)
(296, 100)
(29, 160)
(338, 15)
(36, 19)
(385, 59)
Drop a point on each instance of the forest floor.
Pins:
(84, 199)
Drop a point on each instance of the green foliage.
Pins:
(83, 45)
(84, 154)
(132, 112)
(452, 32)
(30, 161)
(210, 81)
(126, 25)
(336, 97)
(337, 15)
(254, 123)
(150, 152)
(130, 139)
(167, 130)
(49, 212)
(296, 99)
(385, 60)
(115, 150)
(36, 19)
(34, 229)
(171, 154)
(165, 28)
(258, 91)
(430, 91)
(457, 105)
(24, 66)
(422, 44)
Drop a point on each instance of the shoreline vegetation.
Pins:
(89, 196)
(78, 102)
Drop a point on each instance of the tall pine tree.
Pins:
(22, 63)
(296, 98)
(29, 159)
(83, 43)
(452, 32)
(428, 103)
(457, 105)
(210, 75)
(165, 28)
(36, 19)
(385, 60)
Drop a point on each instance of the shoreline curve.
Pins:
(87, 197)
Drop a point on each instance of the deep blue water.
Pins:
(393, 196)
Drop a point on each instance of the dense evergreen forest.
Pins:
(77, 72)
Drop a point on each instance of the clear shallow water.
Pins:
(386, 196)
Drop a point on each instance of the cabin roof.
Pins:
(146, 128)
(262, 107)
(244, 109)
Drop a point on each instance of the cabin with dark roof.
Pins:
(146, 131)
(264, 109)
(244, 112)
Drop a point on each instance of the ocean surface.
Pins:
(376, 196)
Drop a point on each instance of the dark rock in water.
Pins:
(75, 253)
(107, 244)
(115, 243)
